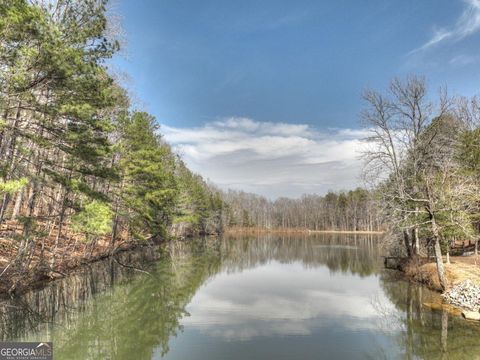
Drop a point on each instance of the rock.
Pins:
(465, 295)
(434, 306)
(471, 315)
(453, 310)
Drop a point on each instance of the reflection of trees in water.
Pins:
(357, 254)
(427, 333)
(128, 320)
(142, 312)
(51, 304)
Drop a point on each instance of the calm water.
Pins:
(269, 297)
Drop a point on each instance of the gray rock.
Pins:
(471, 315)
(465, 295)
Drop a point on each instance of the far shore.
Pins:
(257, 230)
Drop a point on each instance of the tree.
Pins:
(353, 210)
(394, 154)
(93, 220)
(427, 161)
(469, 155)
(68, 143)
(147, 166)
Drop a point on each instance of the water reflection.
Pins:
(322, 296)
(356, 254)
(428, 334)
(36, 310)
(124, 321)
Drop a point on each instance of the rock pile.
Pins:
(465, 295)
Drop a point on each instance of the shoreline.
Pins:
(417, 270)
(14, 284)
(460, 270)
(256, 230)
(32, 280)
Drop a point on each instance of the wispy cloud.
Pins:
(463, 60)
(266, 21)
(251, 309)
(274, 159)
(467, 24)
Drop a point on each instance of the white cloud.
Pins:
(463, 60)
(273, 159)
(467, 24)
(254, 302)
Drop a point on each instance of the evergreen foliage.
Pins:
(73, 154)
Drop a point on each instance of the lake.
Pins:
(322, 296)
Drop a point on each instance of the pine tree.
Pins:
(147, 166)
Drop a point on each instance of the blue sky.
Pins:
(220, 70)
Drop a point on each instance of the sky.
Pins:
(265, 96)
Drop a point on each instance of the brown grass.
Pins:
(460, 269)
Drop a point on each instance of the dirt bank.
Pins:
(460, 269)
(463, 278)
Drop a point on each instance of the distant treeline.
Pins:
(75, 160)
(353, 210)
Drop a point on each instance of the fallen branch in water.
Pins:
(131, 267)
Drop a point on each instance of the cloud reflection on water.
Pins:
(277, 299)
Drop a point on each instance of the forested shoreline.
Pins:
(421, 165)
(81, 171)
(354, 210)
(211, 180)
(83, 174)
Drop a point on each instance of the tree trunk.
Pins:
(439, 261)
(438, 255)
(406, 239)
(114, 231)
(416, 242)
(3, 207)
(10, 159)
(59, 233)
(444, 336)
(18, 204)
